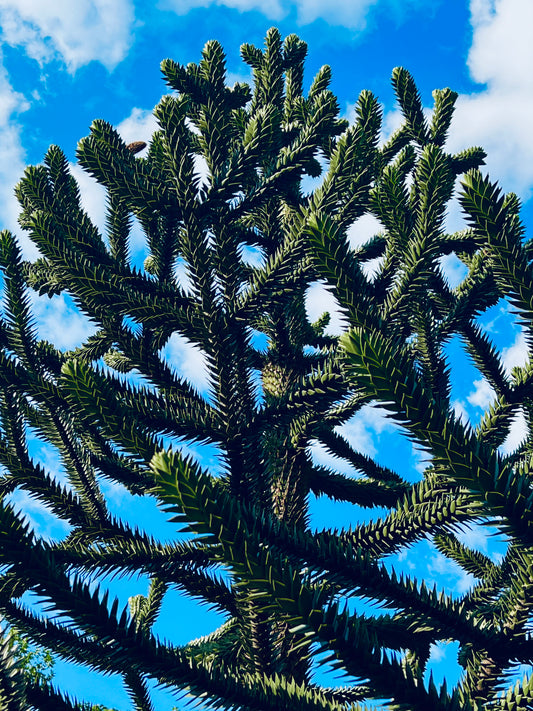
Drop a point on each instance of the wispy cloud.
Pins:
(421, 459)
(362, 230)
(437, 652)
(454, 269)
(139, 125)
(75, 32)
(486, 539)
(273, 9)
(321, 455)
(346, 13)
(49, 457)
(475, 536)
(456, 580)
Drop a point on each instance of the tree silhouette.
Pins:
(115, 409)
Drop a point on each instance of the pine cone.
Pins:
(136, 146)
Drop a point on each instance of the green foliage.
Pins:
(36, 663)
(23, 668)
(114, 409)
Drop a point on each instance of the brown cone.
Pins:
(136, 146)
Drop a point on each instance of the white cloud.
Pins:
(77, 32)
(138, 126)
(13, 155)
(321, 455)
(272, 9)
(201, 168)
(517, 354)
(450, 573)
(348, 13)
(482, 395)
(504, 24)
(392, 121)
(49, 457)
(252, 255)
(116, 494)
(45, 524)
(187, 360)
(517, 434)
(93, 201)
(141, 124)
(460, 411)
(93, 196)
(364, 428)
(362, 431)
(454, 220)
(474, 536)
(319, 299)
(437, 652)
(363, 229)
(182, 275)
(59, 321)
(499, 116)
(372, 268)
(422, 459)
(486, 539)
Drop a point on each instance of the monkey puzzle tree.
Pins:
(115, 409)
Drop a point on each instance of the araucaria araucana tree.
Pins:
(115, 409)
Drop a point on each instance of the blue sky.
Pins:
(62, 64)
